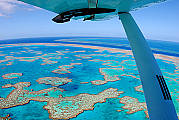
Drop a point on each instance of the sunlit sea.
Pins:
(93, 64)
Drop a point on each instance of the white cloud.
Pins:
(1, 14)
(9, 6)
(6, 6)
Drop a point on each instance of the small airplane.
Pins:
(159, 103)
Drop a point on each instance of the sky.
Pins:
(20, 20)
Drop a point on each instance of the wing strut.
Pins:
(158, 99)
(91, 4)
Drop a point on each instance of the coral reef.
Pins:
(139, 88)
(133, 105)
(54, 81)
(20, 96)
(64, 69)
(110, 75)
(69, 107)
(11, 75)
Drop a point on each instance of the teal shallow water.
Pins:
(86, 72)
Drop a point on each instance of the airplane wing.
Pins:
(89, 9)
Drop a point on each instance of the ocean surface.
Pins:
(78, 78)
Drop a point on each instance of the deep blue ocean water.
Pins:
(80, 73)
(161, 47)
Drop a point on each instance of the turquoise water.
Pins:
(28, 59)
